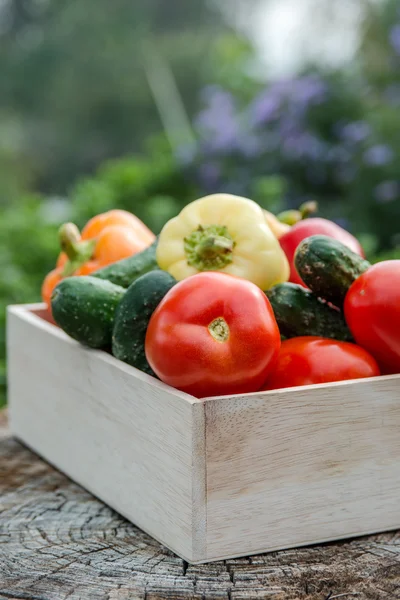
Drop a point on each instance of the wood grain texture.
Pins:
(113, 429)
(58, 542)
(296, 467)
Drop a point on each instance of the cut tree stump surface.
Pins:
(58, 542)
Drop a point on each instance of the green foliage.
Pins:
(74, 81)
(393, 254)
(28, 247)
(150, 186)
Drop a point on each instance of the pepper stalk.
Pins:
(77, 250)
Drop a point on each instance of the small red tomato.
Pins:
(213, 334)
(309, 360)
(314, 226)
(372, 311)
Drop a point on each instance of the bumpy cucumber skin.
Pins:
(328, 267)
(126, 271)
(298, 312)
(84, 307)
(133, 316)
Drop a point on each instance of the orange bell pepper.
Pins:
(105, 239)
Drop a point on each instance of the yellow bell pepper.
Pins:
(225, 233)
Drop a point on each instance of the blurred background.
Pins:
(147, 105)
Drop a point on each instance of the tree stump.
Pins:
(58, 542)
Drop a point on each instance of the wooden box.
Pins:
(216, 478)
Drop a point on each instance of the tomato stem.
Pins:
(291, 217)
(209, 248)
(219, 329)
(308, 208)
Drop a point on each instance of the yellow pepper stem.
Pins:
(78, 251)
(209, 248)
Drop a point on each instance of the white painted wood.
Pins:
(295, 467)
(211, 479)
(124, 436)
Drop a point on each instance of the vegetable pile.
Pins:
(229, 299)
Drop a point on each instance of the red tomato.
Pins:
(372, 311)
(213, 334)
(314, 226)
(308, 360)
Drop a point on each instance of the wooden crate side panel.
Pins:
(199, 522)
(130, 443)
(296, 467)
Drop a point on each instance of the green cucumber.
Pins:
(126, 271)
(298, 312)
(328, 267)
(84, 307)
(133, 316)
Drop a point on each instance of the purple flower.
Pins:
(339, 154)
(392, 94)
(222, 129)
(269, 141)
(303, 145)
(394, 38)
(310, 89)
(225, 140)
(289, 127)
(355, 132)
(218, 123)
(220, 106)
(209, 175)
(265, 108)
(251, 146)
(288, 97)
(387, 191)
(301, 94)
(218, 103)
(378, 156)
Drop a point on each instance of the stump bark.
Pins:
(58, 542)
